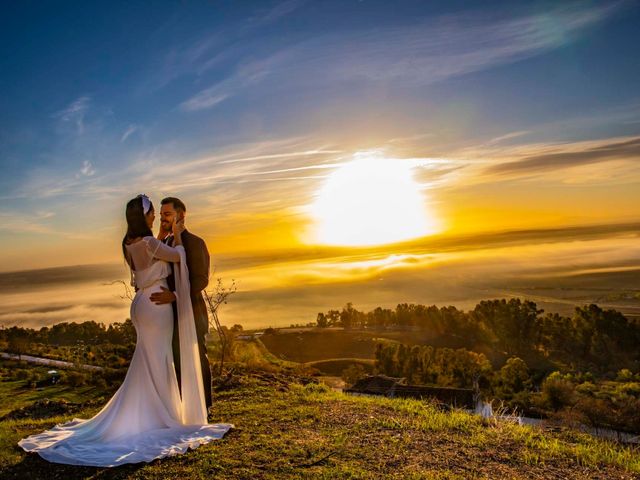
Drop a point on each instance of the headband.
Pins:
(146, 203)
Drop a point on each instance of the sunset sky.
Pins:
(309, 138)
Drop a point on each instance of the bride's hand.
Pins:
(178, 227)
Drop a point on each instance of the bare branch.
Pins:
(214, 299)
(127, 289)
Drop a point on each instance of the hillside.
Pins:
(290, 427)
(314, 344)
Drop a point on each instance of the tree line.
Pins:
(592, 337)
(71, 333)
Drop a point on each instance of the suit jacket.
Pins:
(198, 264)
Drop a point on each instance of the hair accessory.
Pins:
(146, 203)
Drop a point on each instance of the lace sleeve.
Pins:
(157, 249)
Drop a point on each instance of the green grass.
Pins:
(15, 394)
(254, 354)
(287, 430)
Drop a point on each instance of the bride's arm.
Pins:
(157, 249)
(165, 252)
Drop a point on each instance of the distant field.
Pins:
(314, 344)
(331, 351)
(336, 366)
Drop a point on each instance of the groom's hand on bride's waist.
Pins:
(165, 296)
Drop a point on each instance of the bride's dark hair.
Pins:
(136, 222)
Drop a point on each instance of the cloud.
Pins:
(246, 75)
(280, 155)
(508, 136)
(87, 169)
(205, 99)
(564, 158)
(426, 52)
(205, 52)
(49, 309)
(75, 113)
(31, 223)
(130, 130)
(277, 12)
(438, 244)
(58, 276)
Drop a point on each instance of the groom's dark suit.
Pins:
(198, 264)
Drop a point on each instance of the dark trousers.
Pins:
(204, 360)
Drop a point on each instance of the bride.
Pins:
(147, 418)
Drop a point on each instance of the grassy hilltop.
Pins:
(289, 426)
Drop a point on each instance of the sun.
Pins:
(371, 200)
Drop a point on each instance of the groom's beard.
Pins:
(164, 232)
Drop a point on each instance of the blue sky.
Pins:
(242, 107)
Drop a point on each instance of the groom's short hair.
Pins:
(176, 202)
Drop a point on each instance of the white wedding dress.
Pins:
(146, 418)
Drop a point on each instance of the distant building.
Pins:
(397, 387)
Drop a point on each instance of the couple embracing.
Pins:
(161, 407)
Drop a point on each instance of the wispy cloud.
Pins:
(280, 155)
(33, 223)
(565, 157)
(200, 55)
(205, 99)
(87, 169)
(604, 161)
(128, 132)
(423, 53)
(276, 12)
(75, 113)
(508, 136)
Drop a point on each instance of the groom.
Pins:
(172, 210)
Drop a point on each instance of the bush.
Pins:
(99, 382)
(521, 401)
(353, 373)
(113, 375)
(630, 388)
(595, 411)
(587, 388)
(557, 391)
(75, 378)
(22, 374)
(624, 375)
(628, 414)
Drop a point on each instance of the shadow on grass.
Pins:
(35, 467)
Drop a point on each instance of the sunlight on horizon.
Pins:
(371, 200)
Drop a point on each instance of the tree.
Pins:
(512, 322)
(333, 318)
(322, 320)
(348, 316)
(514, 376)
(18, 340)
(557, 391)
